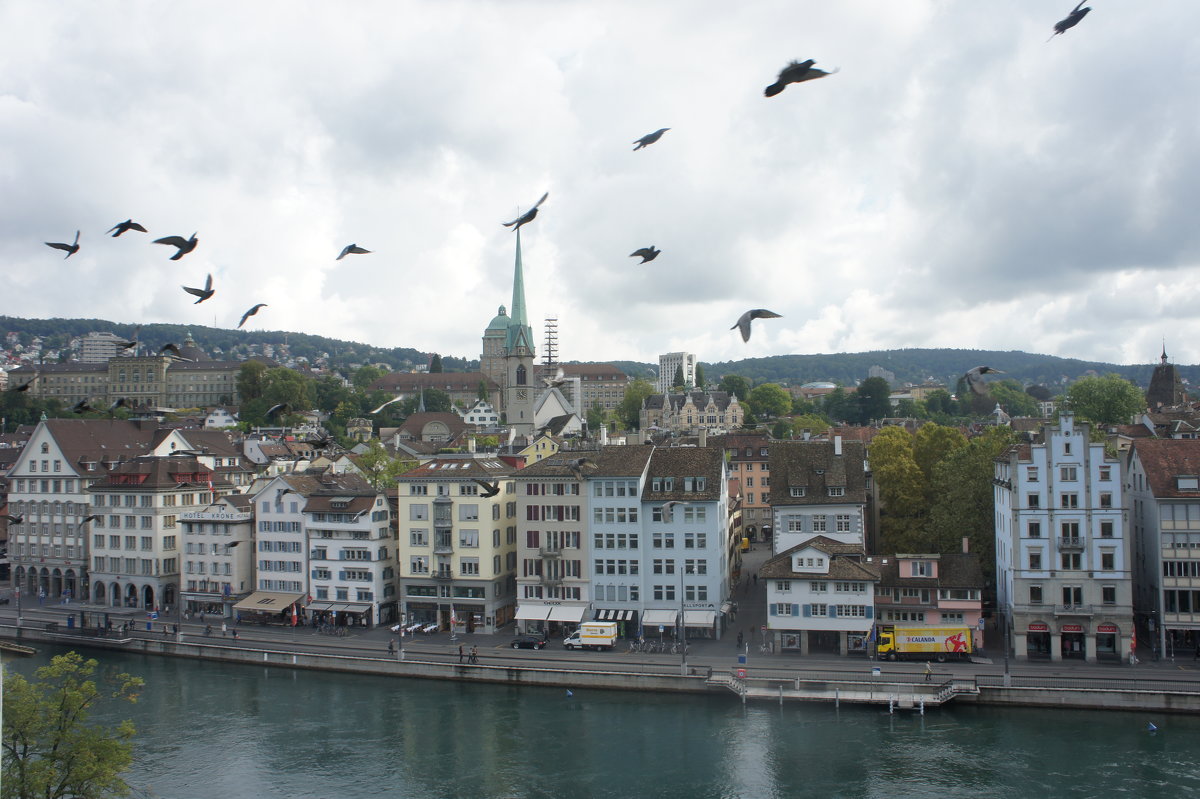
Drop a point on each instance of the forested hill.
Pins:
(226, 344)
(943, 365)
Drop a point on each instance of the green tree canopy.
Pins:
(436, 401)
(700, 382)
(770, 400)
(933, 443)
(595, 418)
(837, 406)
(811, 422)
(1012, 398)
(51, 751)
(364, 376)
(629, 411)
(940, 401)
(330, 392)
(873, 399)
(287, 385)
(250, 379)
(677, 381)
(1105, 400)
(435, 364)
(736, 385)
(379, 468)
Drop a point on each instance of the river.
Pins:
(215, 730)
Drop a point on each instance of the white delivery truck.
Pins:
(592, 635)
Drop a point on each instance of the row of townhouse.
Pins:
(566, 545)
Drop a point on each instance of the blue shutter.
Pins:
(833, 611)
(795, 610)
(808, 610)
(771, 610)
(341, 575)
(870, 611)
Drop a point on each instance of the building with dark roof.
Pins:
(821, 596)
(1166, 388)
(934, 590)
(818, 487)
(691, 412)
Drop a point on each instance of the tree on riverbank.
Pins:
(50, 750)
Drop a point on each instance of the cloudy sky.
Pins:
(961, 182)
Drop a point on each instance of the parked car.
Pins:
(528, 642)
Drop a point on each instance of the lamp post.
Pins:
(682, 637)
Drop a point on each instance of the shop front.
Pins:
(1037, 639)
(627, 620)
(555, 620)
(1106, 641)
(1071, 641)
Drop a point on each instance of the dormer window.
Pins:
(45, 448)
(837, 491)
(1187, 483)
(797, 491)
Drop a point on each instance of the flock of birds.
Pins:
(794, 72)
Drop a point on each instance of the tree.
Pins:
(736, 385)
(379, 468)
(436, 401)
(837, 405)
(911, 409)
(933, 443)
(250, 380)
(699, 377)
(330, 392)
(874, 399)
(1012, 398)
(435, 364)
(481, 392)
(595, 418)
(781, 429)
(50, 749)
(677, 382)
(364, 376)
(630, 410)
(287, 385)
(811, 422)
(769, 401)
(940, 401)
(1105, 400)
(1040, 393)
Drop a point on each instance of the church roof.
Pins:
(190, 351)
(500, 321)
(520, 334)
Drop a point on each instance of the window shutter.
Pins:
(833, 611)
(795, 610)
(808, 610)
(773, 609)
(870, 611)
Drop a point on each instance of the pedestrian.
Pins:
(224, 629)
(235, 635)
(208, 629)
(391, 646)
(174, 629)
(460, 653)
(928, 672)
(756, 579)
(739, 639)
(474, 656)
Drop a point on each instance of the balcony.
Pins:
(443, 548)
(550, 581)
(550, 552)
(1074, 610)
(1069, 543)
(442, 574)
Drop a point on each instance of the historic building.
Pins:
(1166, 387)
(750, 465)
(669, 365)
(217, 555)
(818, 488)
(691, 412)
(1063, 554)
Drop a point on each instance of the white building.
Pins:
(1063, 555)
(821, 597)
(669, 364)
(100, 347)
(481, 414)
(218, 555)
(818, 488)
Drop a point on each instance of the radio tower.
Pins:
(550, 348)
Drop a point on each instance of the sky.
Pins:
(959, 182)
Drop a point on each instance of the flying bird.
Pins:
(184, 245)
(974, 378)
(14, 519)
(351, 249)
(795, 72)
(27, 384)
(280, 492)
(172, 351)
(119, 402)
(251, 312)
(389, 402)
(667, 508)
(133, 341)
(646, 253)
(94, 517)
(489, 489)
(558, 381)
(743, 322)
(123, 227)
(70, 249)
(1071, 20)
(203, 293)
(649, 139)
(275, 411)
(82, 406)
(527, 216)
(578, 465)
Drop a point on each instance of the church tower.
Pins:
(1166, 388)
(519, 388)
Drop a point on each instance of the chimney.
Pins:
(805, 434)
(471, 444)
(837, 445)
(703, 437)
(603, 435)
(966, 545)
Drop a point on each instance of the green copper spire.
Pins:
(520, 334)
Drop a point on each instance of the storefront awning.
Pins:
(532, 612)
(571, 613)
(659, 616)
(268, 602)
(698, 618)
(320, 606)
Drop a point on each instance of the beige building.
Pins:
(457, 547)
(599, 383)
(749, 464)
(691, 412)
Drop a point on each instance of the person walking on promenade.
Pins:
(739, 643)
(928, 672)
(235, 635)
(391, 646)
(460, 653)
(474, 656)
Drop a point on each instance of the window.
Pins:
(1035, 559)
(922, 568)
(1106, 529)
(837, 491)
(1072, 595)
(1108, 594)
(782, 609)
(1105, 472)
(418, 513)
(796, 491)
(843, 523)
(818, 587)
(818, 524)
(420, 564)
(1035, 529)
(418, 538)
(1070, 560)
(1069, 501)
(1035, 595)
(1108, 561)
(1031, 474)
(1033, 501)
(468, 538)
(1068, 473)
(469, 567)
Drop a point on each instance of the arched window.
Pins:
(45, 448)
(521, 375)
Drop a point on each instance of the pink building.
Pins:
(930, 591)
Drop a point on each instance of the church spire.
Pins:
(518, 300)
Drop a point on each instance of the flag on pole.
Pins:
(293, 614)
(453, 617)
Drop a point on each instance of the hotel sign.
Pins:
(201, 516)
